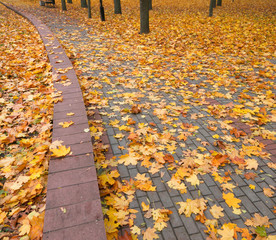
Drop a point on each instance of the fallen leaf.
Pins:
(230, 200)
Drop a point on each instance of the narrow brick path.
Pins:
(99, 59)
(73, 207)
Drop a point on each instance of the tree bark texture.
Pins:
(150, 4)
(144, 16)
(219, 3)
(211, 8)
(69, 1)
(214, 3)
(63, 5)
(83, 4)
(117, 7)
(89, 8)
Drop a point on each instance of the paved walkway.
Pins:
(169, 109)
(73, 206)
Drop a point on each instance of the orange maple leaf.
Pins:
(231, 200)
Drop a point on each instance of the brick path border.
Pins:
(73, 206)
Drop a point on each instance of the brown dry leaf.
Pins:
(268, 192)
(250, 175)
(258, 220)
(150, 234)
(135, 109)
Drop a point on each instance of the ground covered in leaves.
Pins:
(25, 127)
(186, 110)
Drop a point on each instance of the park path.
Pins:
(123, 83)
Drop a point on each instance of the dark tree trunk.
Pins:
(63, 5)
(211, 8)
(89, 8)
(219, 3)
(69, 1)
(144, 16)
(117, 7)
(214, 3)
(83, 4)
(150, 4)
(102, 10)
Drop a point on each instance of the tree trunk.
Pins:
(219, 3)
(102, 10)
(214, 3)
(69, 1)
(211, 8)
(117, 7)
(150, 4)
(63, 5)
(89, 8)
(144, 16)
(83, 4)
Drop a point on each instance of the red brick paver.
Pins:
(73, 206)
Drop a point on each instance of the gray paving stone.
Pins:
(189, 225)
(165, 199)
(264, 210)
(168, 233)
(160, 186)
(266, 200)
(175, 220)
(181, 233)
(217, 193)
(197, 236)
(153, 196)
(250, 194)
(208, 180)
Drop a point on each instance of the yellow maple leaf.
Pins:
(237, 211)
(128, 159)
(196, 206)
(60, 151)
(3, 215)
(159, 226)
(25, 228)
(111, 226)
(216, 211)
(119, 136)
(227, 232)
(228, 186)
(216, 136)
(145, 207)
(193, 179)
(230, 200)
(176, 183)
(108, 178)
(70, 114)
(135, 230)
(202, 149)
(66, 124)
(252, 186)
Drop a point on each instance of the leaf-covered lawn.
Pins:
(173, 102)
(25, 127)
